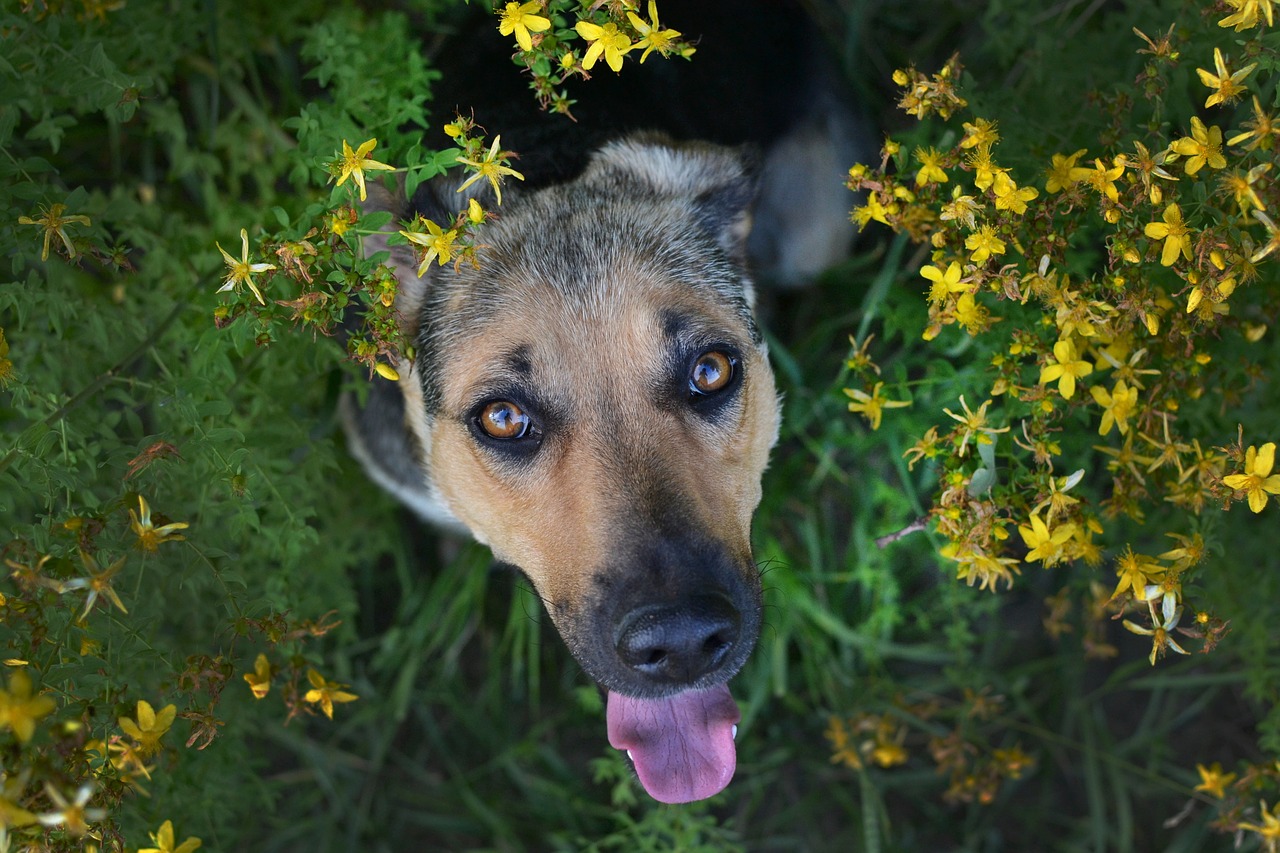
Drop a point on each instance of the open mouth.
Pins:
(682, 745)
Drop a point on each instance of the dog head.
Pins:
(594, 402)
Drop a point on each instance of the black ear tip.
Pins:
(722, 209)
(751, 156)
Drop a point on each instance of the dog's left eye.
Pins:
(504, 420)
(712, 372)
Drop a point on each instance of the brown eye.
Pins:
(503, 420)
(712, 372)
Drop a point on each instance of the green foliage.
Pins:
(887, 707)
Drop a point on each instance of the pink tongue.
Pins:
(682, 745)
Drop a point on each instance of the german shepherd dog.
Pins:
(594, 401)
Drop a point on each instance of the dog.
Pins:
(594, 400)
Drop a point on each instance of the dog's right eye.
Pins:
(504, 421)
(713, 371)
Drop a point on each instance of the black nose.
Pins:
(677, 644)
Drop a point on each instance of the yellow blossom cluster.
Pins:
(868, 739)
(1185, 227)
(548, 45)
(1106, 365)
(975, 769)
(319, 304)
(69, 771)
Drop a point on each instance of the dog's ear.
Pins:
(719, 182)
(438, 200)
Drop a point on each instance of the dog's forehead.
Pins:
(626, 336)
(564, 281)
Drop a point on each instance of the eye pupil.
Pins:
(711, 372)
(504, 420)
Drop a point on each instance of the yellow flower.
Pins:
(491, 168)
(1067, 368)
(1009, 197)
(164, 838)
(978, 566)
(1149, 165)
(1136, 571)
(518, 18)
(873, 209)
(1246, 14)
(1116, 406)
(971, 314)
(71, 815)
(1241, 187)
(339, 223)
(19, 710)
(975, 425)
(1213, 781)
(326, 693)
(1043, 543)
(981, 133)
(961, 208)
(1226, 86)
(925, 448)
(1190, 553)
(843, 751)
(871, 406)
(861, 358)
(13, 816)
(1203, 146)
(1260, 130)
(53, 222)
(652, 36)
(1161, 631)
(1273, 237)
(984, 170)
(1174, 232)
(889, 753)
(437, 243)
(1063, 172)
(1257, 480)
(1058, 501)
(260, 679)
(353, 164)
(98, 583)
(150, 726)
(603, 40)
(984, 243)
(1270, 828)
(1103, 180)
(149, 536)
(930, 172)
(944, 284)
(241, 271)
(127, 759)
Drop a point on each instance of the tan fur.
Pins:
(560, 518)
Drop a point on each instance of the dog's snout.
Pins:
(677, 644)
